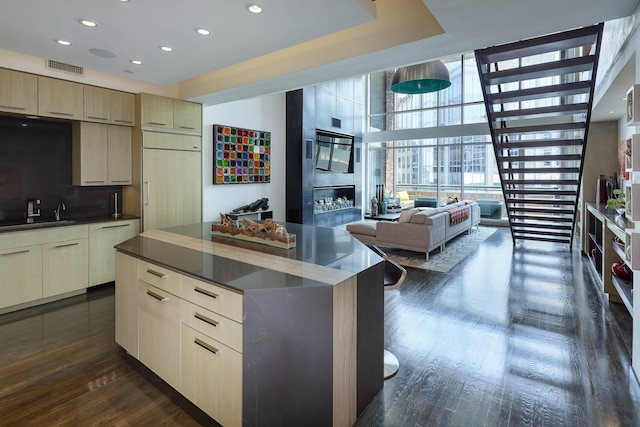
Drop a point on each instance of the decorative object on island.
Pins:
(241, 155)
(268, 233)
(262, 203)
(601, 189)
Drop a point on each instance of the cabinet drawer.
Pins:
(211, 324)
(212, 297)
(211, 376)
(160, 277)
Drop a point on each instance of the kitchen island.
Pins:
(256, 335)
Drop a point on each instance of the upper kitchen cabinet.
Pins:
(156, 112)
(60, 98)
(101, 154)
(187, 117)
(97, 104)
(18, 92)
(159, 113)
(123, 108)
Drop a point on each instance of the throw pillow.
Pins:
(451, 200)
(403, 196)
(406, 215)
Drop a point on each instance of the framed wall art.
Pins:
(241, 156)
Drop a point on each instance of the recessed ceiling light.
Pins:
(124, 1)
(611, 112)
(88, 23)
(624, 98)
(203, 32)
(63, 42)
(136, 62)
(254, 8)
(166, 48)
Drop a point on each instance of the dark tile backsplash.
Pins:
(35, 163)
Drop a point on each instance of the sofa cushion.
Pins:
(421, 216)
(363, 227)
(406, 215)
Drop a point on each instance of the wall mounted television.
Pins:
(334, 153)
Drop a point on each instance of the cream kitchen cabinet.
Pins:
(102, 255)
(101, 154)
(60, 98)
(123, 108)
(211, 376)
(126, 303)
(97, 104)
(21, 269)
(65, 267)
(156, 112)
(159, 332)
(171, 191)
(18, 92)
(187, 117)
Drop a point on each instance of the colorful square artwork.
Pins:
(241, 156)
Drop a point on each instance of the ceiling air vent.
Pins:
(65, 68)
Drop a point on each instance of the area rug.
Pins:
(455, 250)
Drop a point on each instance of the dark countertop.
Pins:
(39, 225)
(332, 252)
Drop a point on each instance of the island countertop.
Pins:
(322, 256)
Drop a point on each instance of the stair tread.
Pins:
(550, 91)
(554, 110)
(542, 192)
(535, 210)
(542, 239)
(539, 143)
(585, 36)
(539, 158)
(536, 71)
(539, 170)
(549, 127)
(525, 226)
(541, 218)
(540, 182)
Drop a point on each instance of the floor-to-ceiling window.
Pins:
(432, 145)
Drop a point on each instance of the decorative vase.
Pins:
(383, 208)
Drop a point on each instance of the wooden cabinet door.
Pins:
(65, 267)
(18, 92)
(156, 112)
(89, 153)
(187, 117)
(119, 155)
(97, 104)
(126, 302)
(60, 98)
(159, 332)
(123, 108)
(102, 254)
(21, 275)
(172, 188)
(211, 376)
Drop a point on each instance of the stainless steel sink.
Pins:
(35, 225)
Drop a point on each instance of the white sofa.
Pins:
(419, 229)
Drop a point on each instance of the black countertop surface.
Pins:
(316, 247)
(38, 225)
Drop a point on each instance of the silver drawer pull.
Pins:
(60, 113)
(94, 182)
(157, 123)
(206, 346)
(157, 274)
(116, 226)
(206, 319)
(16, 252)
(67, 245)
(206, 292)
(12, 108)
(156, 296)
(187, 127)
(97, 118)
(122, 121)
(115, 181)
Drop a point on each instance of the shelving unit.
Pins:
(633, 106)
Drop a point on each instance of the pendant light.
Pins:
(421, 78)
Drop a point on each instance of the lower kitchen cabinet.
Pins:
(64, 267)
(22, 275)
(127, 303)
(159, 332)
(102, 255)
(211, 376)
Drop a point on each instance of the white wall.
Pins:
(265, 113)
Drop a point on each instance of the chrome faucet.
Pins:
(32, 212)
(56, 212)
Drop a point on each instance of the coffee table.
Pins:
(383, 217)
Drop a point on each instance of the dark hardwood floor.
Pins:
(510, 337)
